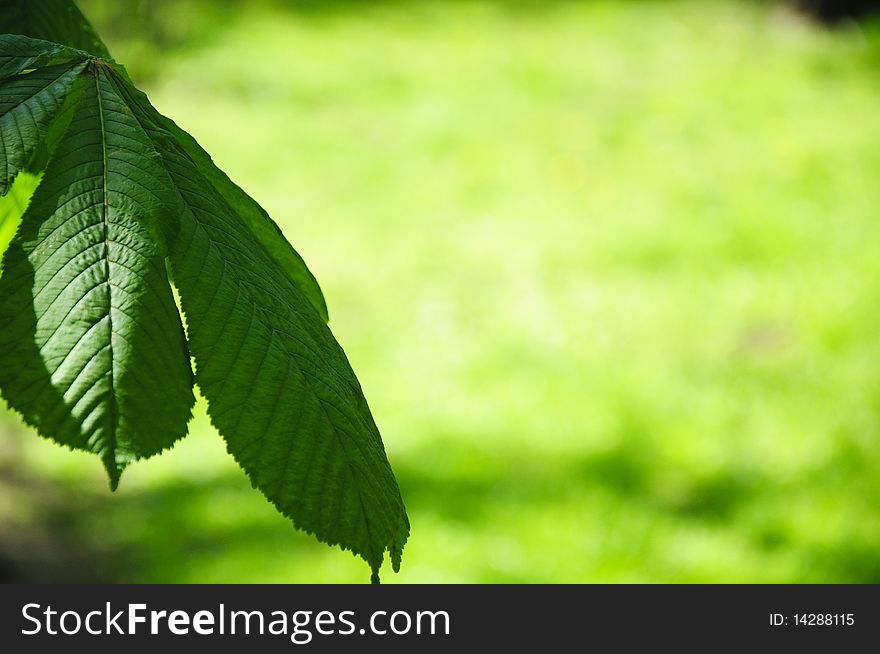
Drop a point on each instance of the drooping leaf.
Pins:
(279, 387)
(92, 351)
(91, 348)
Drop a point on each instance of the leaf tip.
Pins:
(114, 472)
(396, 547)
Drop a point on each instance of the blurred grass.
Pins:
(607, 273)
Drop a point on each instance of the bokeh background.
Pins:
(608, 273)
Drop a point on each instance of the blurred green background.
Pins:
(608, 273)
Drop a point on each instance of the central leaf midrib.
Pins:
(105, 216)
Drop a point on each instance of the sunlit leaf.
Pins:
(92, 352)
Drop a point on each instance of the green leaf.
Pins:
(59, 21)
(279, 387)
(92, 351)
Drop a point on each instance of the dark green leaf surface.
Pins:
(279, 387)
(92, 351)
(254, 216)
(58, 21)
(36, 81)
(28, 104)
(20, 53)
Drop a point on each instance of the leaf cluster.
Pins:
(93, 349)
